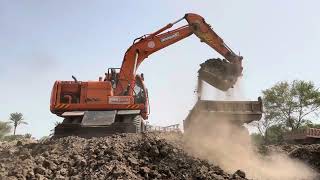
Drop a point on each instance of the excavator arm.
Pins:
(144, 46)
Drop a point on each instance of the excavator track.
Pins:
(72, 128)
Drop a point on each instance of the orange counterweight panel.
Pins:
(98, 92)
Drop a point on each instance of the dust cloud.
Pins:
(230, 147)
(210, 93)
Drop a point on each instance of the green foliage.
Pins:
(16, 119)
(274, 134)
(309, 124)
(28, 136)
(5, 128)
(257, 139)
(17, 137)
(314, 126)
(289, 104)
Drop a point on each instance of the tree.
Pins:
(257, 138)
(275, 134)
(290, 104)
(268, 133)
(5, 128)
(263, 125)
(16, 119)
(309, 124)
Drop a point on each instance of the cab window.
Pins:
(139, 93)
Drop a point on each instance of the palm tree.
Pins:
(16, 119)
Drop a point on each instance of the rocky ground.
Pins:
(123, 156)
(310, 154)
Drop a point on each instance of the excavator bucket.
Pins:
(219, 73)
(235, 112)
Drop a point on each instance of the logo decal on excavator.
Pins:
(170, 37)
(119, 100)
(151, 44)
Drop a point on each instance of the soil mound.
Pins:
(122, 156)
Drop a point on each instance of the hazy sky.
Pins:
(44, 41)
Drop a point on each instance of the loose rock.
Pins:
(121, 156)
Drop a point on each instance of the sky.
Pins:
(44, 41)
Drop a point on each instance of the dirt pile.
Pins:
(123, 156)
(310, 154)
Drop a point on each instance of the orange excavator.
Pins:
(119, 101)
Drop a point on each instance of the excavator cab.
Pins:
(139, 91)
(112, 76)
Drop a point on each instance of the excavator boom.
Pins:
(148, 44)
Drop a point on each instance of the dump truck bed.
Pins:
(237, 112)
